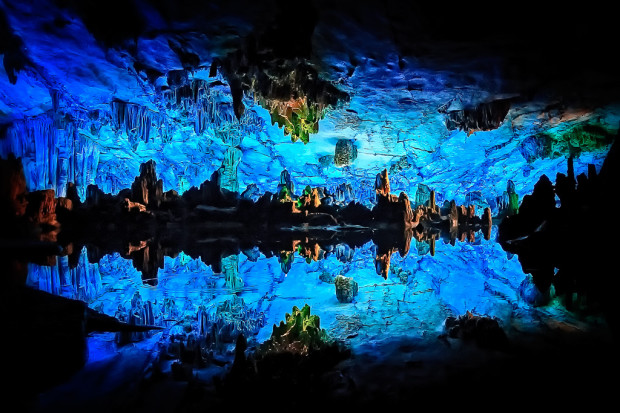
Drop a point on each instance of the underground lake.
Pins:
(307, 205)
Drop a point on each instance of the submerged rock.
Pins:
(346, 288)
(345, 152)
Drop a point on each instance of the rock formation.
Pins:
(346, 288)
(147, 189)
(542, 236)
(13, 191)
(282, 225)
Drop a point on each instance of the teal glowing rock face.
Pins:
(228, 96)
(572, 142)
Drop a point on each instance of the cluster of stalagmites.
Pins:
(145, 223)
(426, 222)
(545, 234)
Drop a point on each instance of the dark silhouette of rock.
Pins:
(13, 190)
(48, 335)
(482, 117)
(483, 330)
(41, 208)
(543, 237)
(146, 188)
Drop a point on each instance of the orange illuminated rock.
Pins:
(42, 207)
(64, 203)
(133, 206)
(382, 184)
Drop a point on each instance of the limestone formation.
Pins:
(346, 288)
(130, 206)
(42, 207)
(237, 223)
(345, 152)
(482, 117)
(146, 188)
(382, 184)
(13, 191)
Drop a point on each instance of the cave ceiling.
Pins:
(459, 97)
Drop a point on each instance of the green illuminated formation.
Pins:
(286, 260)
(513, 198)
(579, 139)
(292, 361)
(300, 333)
(284, 195)
(296, 116)
(572, 142)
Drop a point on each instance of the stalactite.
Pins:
(82, 282)
(53, 153)
(135, 121)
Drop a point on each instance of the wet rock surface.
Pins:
(131, 129)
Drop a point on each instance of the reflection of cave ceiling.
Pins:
(455, 97)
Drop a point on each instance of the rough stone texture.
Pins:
(13, 190)
(129, 206)
(382, 184)
(345, 152)
(483, 117)
(42, 207)
(147, 189)
(346, 288)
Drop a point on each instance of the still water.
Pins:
(251, 292)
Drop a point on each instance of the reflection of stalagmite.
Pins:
(312, 252)
(131, 248)
(228, 171)
(487, 223)
(230, 268)
(382, 263)
(405, 246)
(147, 259)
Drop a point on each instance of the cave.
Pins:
(351, 204)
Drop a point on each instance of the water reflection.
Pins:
(402, 290)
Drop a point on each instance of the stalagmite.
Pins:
(146, 188)
(382, 184)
